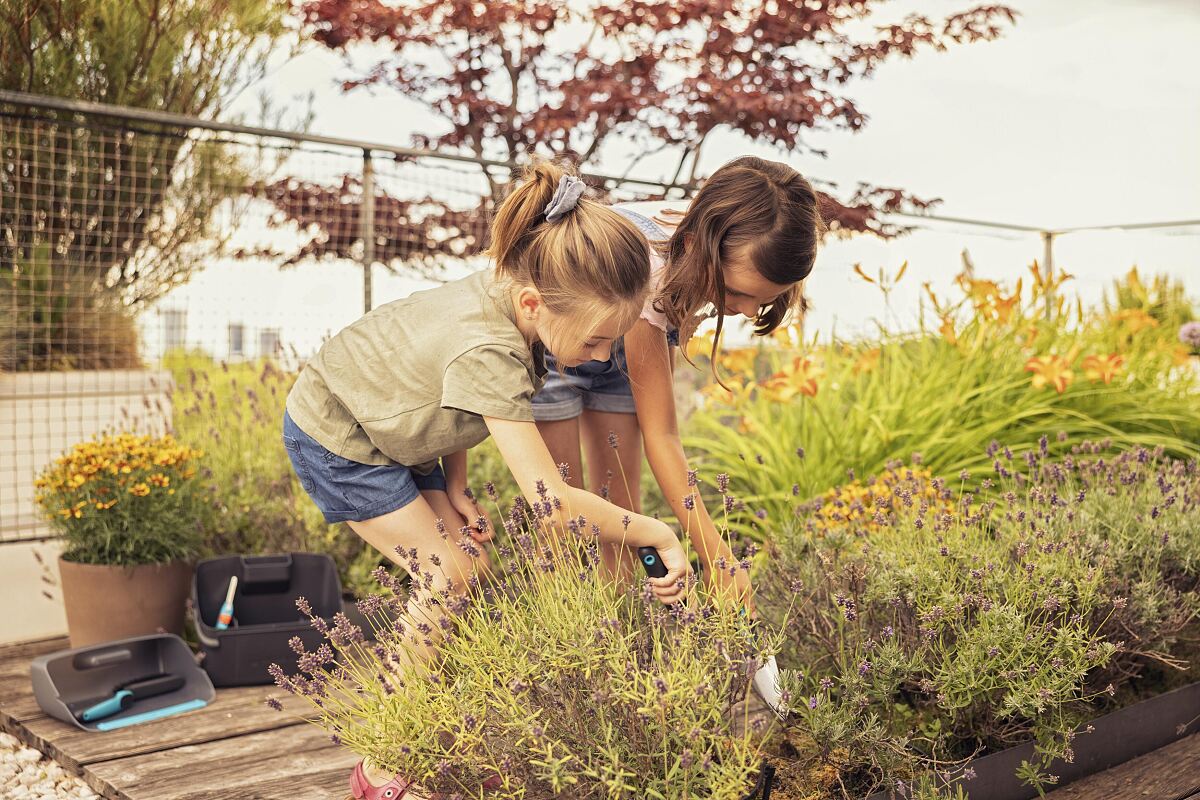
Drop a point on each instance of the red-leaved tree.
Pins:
(512, 78)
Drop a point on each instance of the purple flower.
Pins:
(613, 441)
(1189, 334)
(812, 702)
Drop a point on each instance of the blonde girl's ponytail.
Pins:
(586, 261)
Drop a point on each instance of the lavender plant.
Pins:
(940, 624)
(549, 680)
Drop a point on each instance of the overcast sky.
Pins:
(1087, 112)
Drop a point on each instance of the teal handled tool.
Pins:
(226, 615)
(157, 713)
(127, 694)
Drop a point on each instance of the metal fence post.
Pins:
(366, 222)
(1048, 263)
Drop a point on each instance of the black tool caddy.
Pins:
(265, 616)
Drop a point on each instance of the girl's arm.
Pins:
(650, 361)
(527, 457)
(455, 467)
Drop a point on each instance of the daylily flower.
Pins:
(1050, 371)
(946, 329)
(1135, 319)
(867, 361)
(1102, 368)
(798, 378)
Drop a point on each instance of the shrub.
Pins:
(938, 623)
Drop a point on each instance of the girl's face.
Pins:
(573, 344)
(572, 340)
(746, 290)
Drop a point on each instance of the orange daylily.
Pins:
(798, 378)
(859, 270)
(947, 329)
(1102, 368)
(1048, 283)
(1004, 306)
(739, 361)
(1136, 319)
(1050, 371)
(867, 361)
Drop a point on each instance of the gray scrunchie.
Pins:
(565, 198)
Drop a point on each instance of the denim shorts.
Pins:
(347, 490)
(598, 385)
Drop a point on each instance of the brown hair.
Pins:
(761, 210)
(590, 264)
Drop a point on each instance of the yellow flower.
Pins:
(1004, 305)
(1102, 368)
(1050, 371)
(739, 361)
(947, 329)
(1135, 319)
(867, 361)
(139, 490)
(799, 378)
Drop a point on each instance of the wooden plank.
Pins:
(1170, 773)
(234, 712)
(280, 764)
(16, 692)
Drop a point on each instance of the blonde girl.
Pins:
(379, 422)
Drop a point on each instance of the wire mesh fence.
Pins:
(130, 243)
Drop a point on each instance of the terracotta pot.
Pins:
(105, 603)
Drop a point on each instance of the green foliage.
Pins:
(935, 624)
(945, 394)
(550, 677)
(255, 503)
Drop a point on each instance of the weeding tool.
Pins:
(127, 694)
(226, 615)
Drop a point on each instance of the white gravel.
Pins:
(26, 774)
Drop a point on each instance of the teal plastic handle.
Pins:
(106, 708)
(147, 716)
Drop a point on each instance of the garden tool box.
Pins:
(120, 683)
(265, 616)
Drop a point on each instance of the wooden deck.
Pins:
(238, 749)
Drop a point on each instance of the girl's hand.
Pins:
(472, 512)
(672, 587)
(455, 466)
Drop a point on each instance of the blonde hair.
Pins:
(762, 210)
(589, 266)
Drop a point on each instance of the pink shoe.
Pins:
(363, 789)
(395, 789)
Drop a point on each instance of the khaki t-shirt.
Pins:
(410, 382)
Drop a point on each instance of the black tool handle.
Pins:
(654, 565)
(154, 686)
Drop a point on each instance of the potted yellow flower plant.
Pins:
(128, 508)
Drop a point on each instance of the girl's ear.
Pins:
(529, 303)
